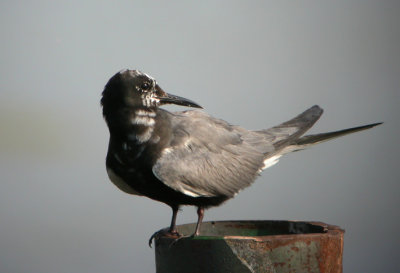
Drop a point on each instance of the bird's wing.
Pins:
(208, 157)
(287, 132)
(283, 136)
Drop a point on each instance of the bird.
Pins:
(189, 157)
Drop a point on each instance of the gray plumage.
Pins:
(208, 157)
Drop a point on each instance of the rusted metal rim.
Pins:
(252, 246)
(257, 229)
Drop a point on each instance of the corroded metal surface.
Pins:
(253, 246)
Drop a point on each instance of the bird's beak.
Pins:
(166, 98)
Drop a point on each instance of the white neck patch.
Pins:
(143, 120)
(146, 113)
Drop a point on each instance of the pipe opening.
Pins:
(252, 228)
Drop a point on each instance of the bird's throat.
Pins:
(134, 126)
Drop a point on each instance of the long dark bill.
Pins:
(169, 98)
(166, 98)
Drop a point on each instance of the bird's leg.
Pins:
(172, 228)
(200, 215)
(171, 231)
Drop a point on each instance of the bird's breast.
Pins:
(121, 183)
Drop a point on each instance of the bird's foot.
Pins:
(181, 237)
(164, 232)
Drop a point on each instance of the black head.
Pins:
(134, 89)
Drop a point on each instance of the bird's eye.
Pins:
(145, 86)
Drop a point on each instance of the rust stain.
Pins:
(289, 252)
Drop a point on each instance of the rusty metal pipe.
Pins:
(252, 246)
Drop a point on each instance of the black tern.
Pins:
(189, 157)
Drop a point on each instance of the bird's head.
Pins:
(134, 89)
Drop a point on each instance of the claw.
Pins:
(164, 232)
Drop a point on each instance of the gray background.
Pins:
(253, 63)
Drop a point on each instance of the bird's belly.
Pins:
(120, 183)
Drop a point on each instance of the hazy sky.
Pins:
(252, 63)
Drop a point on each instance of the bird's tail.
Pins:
(284, 134)
(305, 141)
(287, 137)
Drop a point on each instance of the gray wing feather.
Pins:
(310, 140)
(285, 133)
(209, 157)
